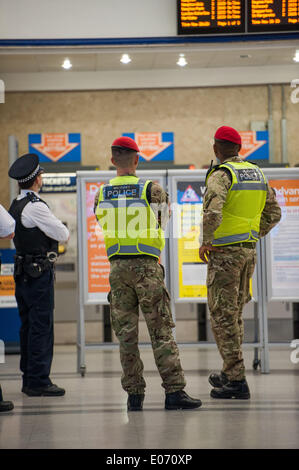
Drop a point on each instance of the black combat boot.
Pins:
(135, 401)
(218, 380)
(5, 405)
(180, 401)
(51, 390)
(235, 389)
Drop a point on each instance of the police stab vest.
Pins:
(242, 210)
(128, 222)
(30, 241)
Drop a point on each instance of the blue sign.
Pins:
(255, 145)
(56, 147)
(154, 146)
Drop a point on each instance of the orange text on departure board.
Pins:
(273, 12)
(215, 13)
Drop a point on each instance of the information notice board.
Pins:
(94, 278)
(188, 272)
(282, 244)
(223, 17)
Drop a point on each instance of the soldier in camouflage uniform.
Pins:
(139, 280)
(230, 268)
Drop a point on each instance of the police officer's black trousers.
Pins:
(35, 299)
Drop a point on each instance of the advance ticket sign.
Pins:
(192, 272)
(284, 242)
(98, 265)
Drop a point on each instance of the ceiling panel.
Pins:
(257, 54)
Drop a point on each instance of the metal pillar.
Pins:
(202, 322)
(265, 363)
(107, 324)
(270, 125)
(284, 138)
(81, 346)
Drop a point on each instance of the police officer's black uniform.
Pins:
(34, 278)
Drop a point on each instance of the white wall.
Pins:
(54, 19)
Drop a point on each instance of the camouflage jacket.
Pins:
(160, 204)
(215, 196)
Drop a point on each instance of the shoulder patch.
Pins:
(33, 198)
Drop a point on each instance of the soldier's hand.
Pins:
(204, 252)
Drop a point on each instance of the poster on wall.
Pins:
(191, 271)
(54, 147)
(255, 145)
(284, 242)
(7, 286)
(98, 265)
(154, 146)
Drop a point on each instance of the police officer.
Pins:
(130, 211)
(7, 228)
(36, 239)
(239, 208)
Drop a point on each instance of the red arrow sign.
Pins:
(55, 146)
(150, 144)
(249, 143)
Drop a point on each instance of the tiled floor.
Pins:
(93, 412)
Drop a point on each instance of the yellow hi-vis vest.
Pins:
(128, 222)
(241, 213)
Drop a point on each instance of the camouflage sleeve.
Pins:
(96, 200)
(160, 204)
(271, 214)
(215, 196)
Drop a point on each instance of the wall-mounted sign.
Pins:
(56, 147)
(59, 183)
(154, 146)
(255, 145)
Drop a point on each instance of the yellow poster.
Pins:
(192, 272)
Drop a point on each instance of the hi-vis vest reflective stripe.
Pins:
(241, 213)
(128, 222)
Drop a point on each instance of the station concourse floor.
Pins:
(93, 414)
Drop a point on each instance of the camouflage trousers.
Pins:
(137, 282)
(228, 282)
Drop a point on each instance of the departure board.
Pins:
(214, 17)
(273, 16)
(211, 17)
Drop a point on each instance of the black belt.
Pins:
(243, 245)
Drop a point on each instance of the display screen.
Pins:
(212, 17)
(273, 16)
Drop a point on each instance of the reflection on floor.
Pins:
(93, 412)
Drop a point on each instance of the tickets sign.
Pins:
(154, 146)
(56, 147)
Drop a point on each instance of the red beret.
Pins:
(125, 143)
(228, 133)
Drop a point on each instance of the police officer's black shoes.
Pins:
(6, 406)
(218, 380)
(235, 389)
(49, 391)
(180, 401)
(135, 402)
